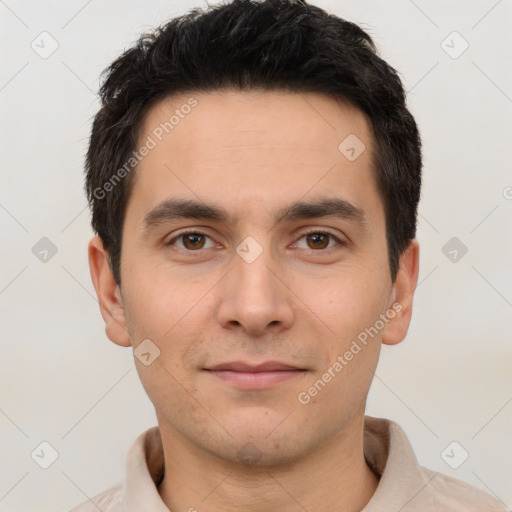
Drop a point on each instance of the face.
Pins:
(254, 265)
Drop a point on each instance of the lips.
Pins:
(239, 366)
(254, 377)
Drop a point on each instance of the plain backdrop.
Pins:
(64, 383)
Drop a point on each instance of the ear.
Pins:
(402, 296)
(109, 294)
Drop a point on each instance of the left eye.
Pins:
(318, 240)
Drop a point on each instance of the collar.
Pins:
(386, 450)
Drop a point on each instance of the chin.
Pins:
(264, 436)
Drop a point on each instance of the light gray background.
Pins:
(64, 382)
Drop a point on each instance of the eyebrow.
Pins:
(178, 209)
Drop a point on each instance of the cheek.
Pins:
(340, 385)
(345, 302)
(172, 394)
(158, 304)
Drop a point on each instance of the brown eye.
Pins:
(317, 240)
(193, 241)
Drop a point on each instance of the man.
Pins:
(254, 176)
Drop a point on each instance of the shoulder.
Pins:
(452, 495)
(407, 486)
(107, 501)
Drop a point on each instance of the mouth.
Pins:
(261, 376)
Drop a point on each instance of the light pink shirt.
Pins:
(404, 485)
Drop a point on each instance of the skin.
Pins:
(253, 153)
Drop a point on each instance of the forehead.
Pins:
(253, 148)
(252, 118)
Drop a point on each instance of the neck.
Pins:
(334, 476)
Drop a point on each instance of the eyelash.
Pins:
(311, 232)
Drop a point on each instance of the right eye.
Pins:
(191, 241)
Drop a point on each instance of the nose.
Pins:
(256, 297)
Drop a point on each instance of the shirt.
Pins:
(404, 485)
